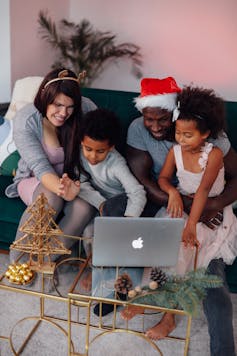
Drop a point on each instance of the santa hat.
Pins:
(156, 92)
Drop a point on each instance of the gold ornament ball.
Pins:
(8, 273)
(153, 285)
(30, 274)
(25, 265)
(138, 289)
(18, 279)
(26, 278)
(132, 293)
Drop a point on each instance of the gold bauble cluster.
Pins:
(19, 273)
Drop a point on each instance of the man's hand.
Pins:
(212, 217)
(214, 221)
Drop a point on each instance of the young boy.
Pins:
(106, 168)
(108, 174)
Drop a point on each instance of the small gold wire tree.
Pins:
(40, 240)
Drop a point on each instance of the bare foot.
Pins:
(163, 328)
(86, 280)
(130, 311)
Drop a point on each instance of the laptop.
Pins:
(136, 242)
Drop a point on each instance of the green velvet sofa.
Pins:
(122, 103)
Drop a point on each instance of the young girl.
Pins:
(200, 172)
(107, 170)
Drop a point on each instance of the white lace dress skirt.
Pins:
(218, 243)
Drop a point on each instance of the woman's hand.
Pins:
(175, 204)
(189, 236)
(68, 189)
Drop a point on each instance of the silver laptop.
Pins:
(136, 242)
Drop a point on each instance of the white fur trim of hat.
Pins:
(160, 93)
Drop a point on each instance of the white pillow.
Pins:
(24, 92)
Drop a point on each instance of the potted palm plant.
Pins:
(80, 47)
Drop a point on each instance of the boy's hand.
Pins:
(68, 189)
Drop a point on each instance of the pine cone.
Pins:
(158, 276)
(123, 284)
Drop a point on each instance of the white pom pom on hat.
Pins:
(159, 93)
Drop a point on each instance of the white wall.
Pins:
(192, 40)
(5, 71)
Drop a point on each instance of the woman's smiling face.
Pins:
(60, 110)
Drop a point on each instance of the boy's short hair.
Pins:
(100, 125)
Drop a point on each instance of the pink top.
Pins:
(27, 186)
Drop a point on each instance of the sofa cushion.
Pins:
(24, 92)
(11, 210)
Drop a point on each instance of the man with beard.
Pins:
(149, 139)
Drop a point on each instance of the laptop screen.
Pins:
(136, 242)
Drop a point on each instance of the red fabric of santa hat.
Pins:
(159, 93)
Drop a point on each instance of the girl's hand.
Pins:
(189, 236)
(175, 204)
(68, 189)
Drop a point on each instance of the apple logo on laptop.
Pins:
(138, 243)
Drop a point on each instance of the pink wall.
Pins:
(192, 40)
(30, 55)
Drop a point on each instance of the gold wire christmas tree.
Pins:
(40, 240)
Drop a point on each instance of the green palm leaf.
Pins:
(81, 47)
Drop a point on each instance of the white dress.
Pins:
(218, 243)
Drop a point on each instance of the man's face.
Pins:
(158, 122)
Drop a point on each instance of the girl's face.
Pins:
(188, 136)
(95, 151)
(60, 110)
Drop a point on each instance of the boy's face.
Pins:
(95, 151)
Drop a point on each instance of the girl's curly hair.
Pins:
(204, 107)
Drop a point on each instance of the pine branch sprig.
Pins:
(186, 292)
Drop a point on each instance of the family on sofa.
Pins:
(67, 149)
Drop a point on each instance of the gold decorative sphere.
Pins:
(132, 293)
(153, 285)
(19, 273)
